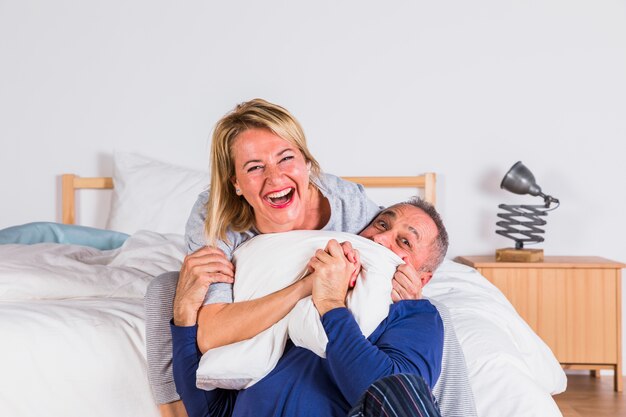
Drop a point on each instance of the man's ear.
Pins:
(425, 278)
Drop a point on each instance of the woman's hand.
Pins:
(199, 270)
(406, 284)
(332, 273)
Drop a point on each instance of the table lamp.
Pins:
(522, 222)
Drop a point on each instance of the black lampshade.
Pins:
(522, 222)
(520, 180)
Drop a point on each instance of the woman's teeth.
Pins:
(280, 197)
(280, 193)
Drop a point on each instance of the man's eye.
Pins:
(382, 224)
(406, 242)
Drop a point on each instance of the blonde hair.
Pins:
(225, 209)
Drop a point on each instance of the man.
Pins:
(409, 341)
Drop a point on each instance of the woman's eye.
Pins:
(287, 158)
(254, 168)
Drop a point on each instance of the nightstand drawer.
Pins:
(573, 311)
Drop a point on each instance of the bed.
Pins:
(71, 304)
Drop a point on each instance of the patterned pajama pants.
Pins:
(401, 395)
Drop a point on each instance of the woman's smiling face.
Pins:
(273, 176)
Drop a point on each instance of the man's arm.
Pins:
(198, 403)
(411, 342)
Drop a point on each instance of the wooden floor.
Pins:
(587, 396)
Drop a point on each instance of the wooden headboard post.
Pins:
(70, 183)
(426, 181)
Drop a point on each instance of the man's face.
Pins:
(406, 230)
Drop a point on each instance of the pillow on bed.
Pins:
(152, 195)
(48, 232)
(49, 271)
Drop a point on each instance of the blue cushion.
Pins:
(42, 232)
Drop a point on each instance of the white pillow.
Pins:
(272, 261)
(49, 271)
(152, 195)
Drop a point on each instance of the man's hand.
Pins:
(353, 256)
(199, 270)
(332, 273)
(406, 284)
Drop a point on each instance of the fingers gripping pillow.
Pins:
(270, 262)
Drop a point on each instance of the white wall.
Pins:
(398, 88)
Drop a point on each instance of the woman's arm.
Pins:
(220, 324)
(224, 323)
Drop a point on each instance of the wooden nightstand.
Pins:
(572, 302)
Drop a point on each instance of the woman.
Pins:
(263, 180)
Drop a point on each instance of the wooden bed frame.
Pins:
(70, 183)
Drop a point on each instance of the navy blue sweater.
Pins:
(409, 340)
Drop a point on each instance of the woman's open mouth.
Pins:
(281, 198)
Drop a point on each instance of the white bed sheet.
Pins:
(72, 326)
(78, 357)
(511, 370)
